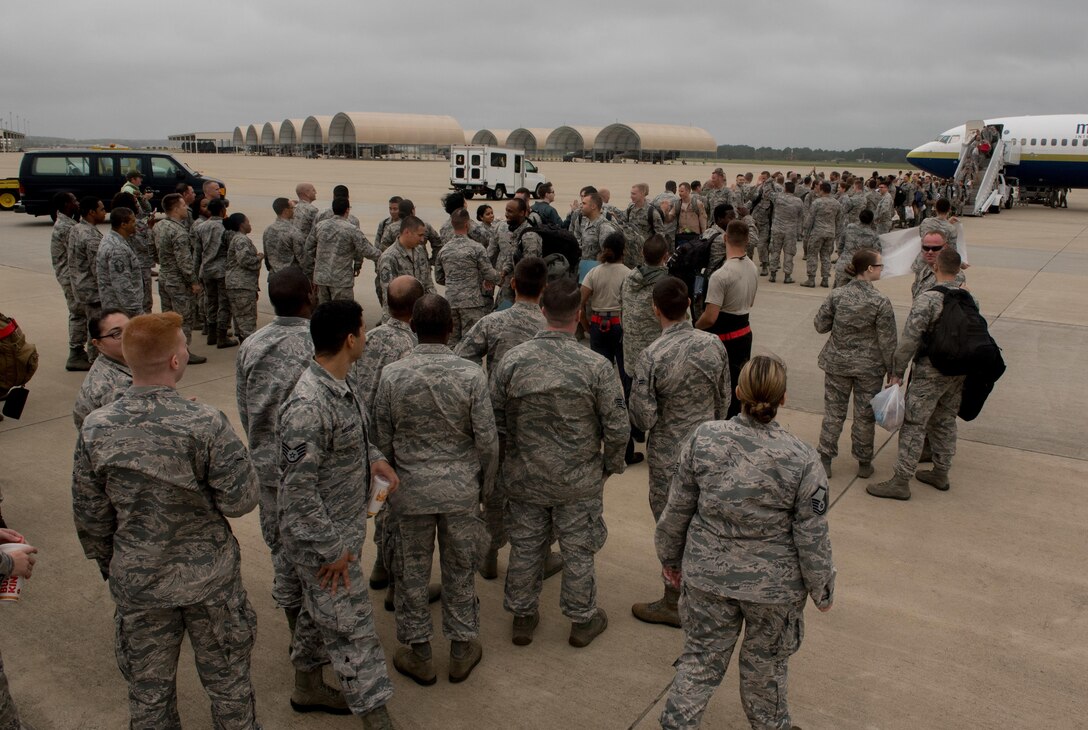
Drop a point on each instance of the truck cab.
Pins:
(495, 172)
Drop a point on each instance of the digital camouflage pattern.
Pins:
(305, 217)
(716, 236)
(855, 237)
(398, 261)
(785, 230)
(680, 381)
(385, 343)
(925, 278)
(593, 234)
(83, 243)
(120, 283)
(339, 249)
(462, 267)
(284, 245)
(58, 251)
(640, 325)
(105, 382)
(822, 221)
(211, 253)
(391, 234)
(509, 245)
(328, 214)
(885, 210)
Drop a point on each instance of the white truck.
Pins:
(495, 172)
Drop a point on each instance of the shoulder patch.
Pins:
(819, 501)
(293, 454)
(621, 403)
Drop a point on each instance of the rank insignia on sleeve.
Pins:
(293, 455)
(819, 501)
(621, 403)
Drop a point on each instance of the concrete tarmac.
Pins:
(967, 608)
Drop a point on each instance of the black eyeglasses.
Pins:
(932, 248)
(875, 266)
(113, 334)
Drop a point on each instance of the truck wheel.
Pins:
(500, 192)
(468, 194)
(536, 193)
(7, 201)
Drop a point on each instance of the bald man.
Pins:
(156, 476)
(305, 210)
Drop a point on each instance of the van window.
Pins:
(131, 164)
(458, 172)
(955, 139)
(164, 167)
(105, 167)
(71, 166)
(498, 159)
(517, 163)
(476, 159)
(460, 158)
(530, 167)
(475, 173)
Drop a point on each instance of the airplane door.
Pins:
(1012, 151)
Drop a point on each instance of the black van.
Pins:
(44, 173)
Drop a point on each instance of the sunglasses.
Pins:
(932, 248)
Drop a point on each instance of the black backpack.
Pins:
(559, 249)
(960, 342)
(691, 257)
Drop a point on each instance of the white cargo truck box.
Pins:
(494, 172)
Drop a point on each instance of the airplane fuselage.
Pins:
(1053, 150)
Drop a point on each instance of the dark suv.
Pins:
(44, 173)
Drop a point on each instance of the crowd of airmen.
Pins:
(517, 453)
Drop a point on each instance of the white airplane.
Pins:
(1045, 151)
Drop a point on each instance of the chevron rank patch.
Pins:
(293, 455)
(819, 501)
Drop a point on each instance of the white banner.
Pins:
(901, 248)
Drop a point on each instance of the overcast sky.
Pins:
(818, 74)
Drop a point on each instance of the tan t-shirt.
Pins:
(606, 283)
(733, 286)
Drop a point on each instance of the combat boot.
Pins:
(552, 564)
(223, 340)
(582, 634)
(763, 269)
(311, 694)
(662, 611)
(464, 656)
(77, 360)
(865, 469)
(810, 282)
(788, 279)
(415, 663)
(489, 568)
(936, 478)
(895, 488)
(213, 337)
(524, 626)
(378, 719)
(195, 359)
(379, 576)
(772, 276)
(826, 462)
(823, 282)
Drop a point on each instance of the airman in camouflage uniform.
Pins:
(148, 256)
(939, 223)
(83, 242)
(284, 244)
(716, 196)
(882, 216)
(925, 278)
(853, 202)
(643, 220)
(681, 381)
(462, 267)
(105, 382)
(212, 255)
(762, 204)
(856, 236)
(178, 281)
(753, 235)
(595, 228)
(405, 257)
(494, 336)
(391, 235)
(788, 213)
(305, 216)
(339, 249)
(822, 223)
(243, 273)
(556, 403)
(326, 464)
(855, 359)
(932, 399)
(268, 366)
(513, 239)
(753, 569)
(120, 284)
(155, 477)
(58, 251)
(433, 418)
(640, 324)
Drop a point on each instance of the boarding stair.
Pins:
(983, 186)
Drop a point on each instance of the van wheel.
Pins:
(537, 193)
(7, 201)
(468, 194)
(500, 192)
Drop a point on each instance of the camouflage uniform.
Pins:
(243, 272)
(325, 458)
(761, 213)
(882, 218)
(855, 237)
(327, 214)
(176, 272)
(399, 261)
(9, 713)
(753, 236)
(942, 225)
(788, 212)
(379, 234)
(717, 196)
(506, 246)
(821, 229)
(642, 222)
(925, 278)
(855, 358)
(212, 255)
(640, 325)
(305, 217)
(155, 478)
(385, 344)
(105, 382)
(462, 267)
(144, 247)
(120, 284)
(668, 228)
(716, 236)
(83, 242)
(284, 245)
(758, 545)
(494, 336)
(477, 231)
(338, 250)
(593, 234)
(932, 398)
(433, 418)
(58, 250)
(268, 366)
(556, 402)
(681, 381)
(391, 234)
(852, 204)
(872, 201)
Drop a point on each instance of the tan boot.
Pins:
(464, 656)
(415, 662)
(865, 469)
(936, 478)
(662, 611)
(582, 634)
(311, 694)
(524, 627)
(894, 488)
(378, 719)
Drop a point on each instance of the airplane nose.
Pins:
(916, 152)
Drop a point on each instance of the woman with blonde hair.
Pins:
(744, 537)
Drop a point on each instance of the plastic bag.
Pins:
(889, 407)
